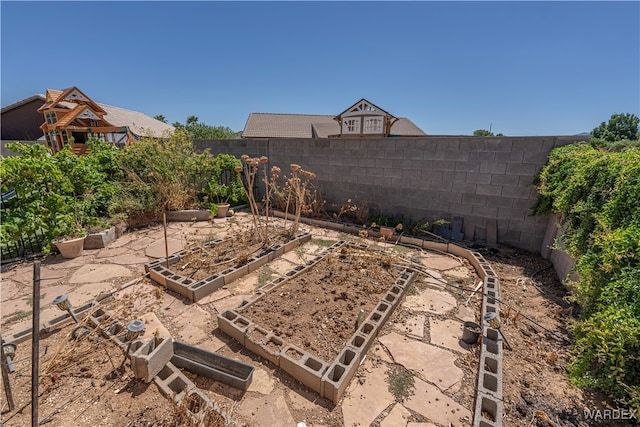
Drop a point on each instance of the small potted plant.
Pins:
(225, 185)
(69, 226)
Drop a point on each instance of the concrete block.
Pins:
(234, 325)
(234, 273)
(272, 284)
(493, 168)
(148, 357)
(488, 411)
(391, 298)
(173, 383)
(437, 246)
(159, 274)
(490, 383)
(384, 309)
(519, 168)
(254, 339)
(297, 270)
(509, 157)
(339, 374)
(492, 232)
(303, 367)
(488, 190)
(101, 239)
(205, 287)
(256, 262)
(468, 167)
(478, 178)
(276, 251)
(515, 192)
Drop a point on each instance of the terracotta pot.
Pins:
(70, 248)
(386, 232)
(223, 209)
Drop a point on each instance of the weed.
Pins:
(403, 250)
(401, 382)
(323, 243)
(18, 316)
(265, 275)
(299, 251)
(30, 299)
(411, 290)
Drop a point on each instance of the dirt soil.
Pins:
(317, 311)
(536, 389)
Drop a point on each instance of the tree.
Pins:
(484, 132)
(161, 118)
(619, 128)
(198, 130)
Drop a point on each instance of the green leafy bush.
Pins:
(63, 193)
(597, 192)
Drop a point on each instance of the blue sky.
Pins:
(521, 68)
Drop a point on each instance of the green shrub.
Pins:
(597, 191)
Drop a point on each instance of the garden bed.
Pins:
(197, 272)
(317, 310)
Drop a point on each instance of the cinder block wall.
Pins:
(428, 178)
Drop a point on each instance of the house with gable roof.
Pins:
(362, 119)
(71, 117)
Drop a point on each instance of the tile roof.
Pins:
(275, 125)
(139, 123)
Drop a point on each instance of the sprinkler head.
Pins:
(134, 329)
(62, 301)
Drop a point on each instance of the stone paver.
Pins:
(157, 249)
(431, 300)
(446, 333)
(12, 289)
(432, 363)
(466, 313)
(153, 327)
(436, 406)
(110, 252)
(270, 409)
(364, 402)
(261, 381)
(194, 325)
(302, 399)
(228, 303)
(245, 285)
(458, 273)
(214, 296)
(440, 262)
(129, 259)
(414, 326)
(212, 344)
(89, 273)
(398, 416)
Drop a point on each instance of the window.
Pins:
(373, 125)
(50, 117)
(351, 125)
